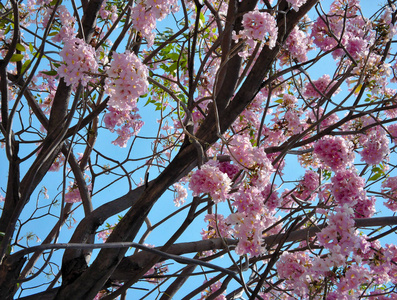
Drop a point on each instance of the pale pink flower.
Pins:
(322, 85)
(334, 152)
(127, 81)
(296, 3)
(260, 26)
(181, 194)
(209, 179)
(79, 61)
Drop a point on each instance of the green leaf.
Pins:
(20, 47)
(374, 177)
(50, 73)
(202, 20)
(31, 47)
(16, 57)
(25, 65)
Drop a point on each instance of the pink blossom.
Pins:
(73, 193)
(181, 194)
(260, 26)
(145, 14)
(217, 227)
(296, 3)
(249, 200)
(130, 124)
(376, 147)
(253, 158)
(365, 208)
(315, 116)
(212, 289)
(297, 46)
(270, 197)
(230, 169)
(127, 81)
(79, 61)
(348, 187)
(209, 179)
(322, 85)
(57, 164)
(334, 152)
(389, 189)
(392, 129)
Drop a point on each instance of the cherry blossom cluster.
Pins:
(348, 187)
(212, 289)
(79, 62)
(375, 146)
(108, 11)
(126, 82)
(334, 152)
(146, 13)
(67, 30)
(389, 189)
(217, 227)
(181, 194)
(297, 46)
(129, 123)
(73, 194)
(296, 3)
(252, 158)
(259, 26)
(209, 179)
(340, 236)
(248, 231)
(355, 36)
(319, 87)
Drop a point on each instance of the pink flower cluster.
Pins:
(108, 11)
(294, 123)
(322, 85)
(348, 187)
(308, 185)
(230, 169)
(145, 14)
(217, 227)
(67, 30)
(365, 208)
(259, 26)
(298, 44)
(270, 197)
(389, 189)
(296, 3)
(294, 268)
(334, 152)
(253, 158)
(249, 200)
(130, 124)
(392, 129)
(375, 147)
(340, 235)
(209, 179)
(73, 193)
(79, 62)
(181, 194)
(212, 289)
(248, 229)
(356, 36)
(127, 81)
